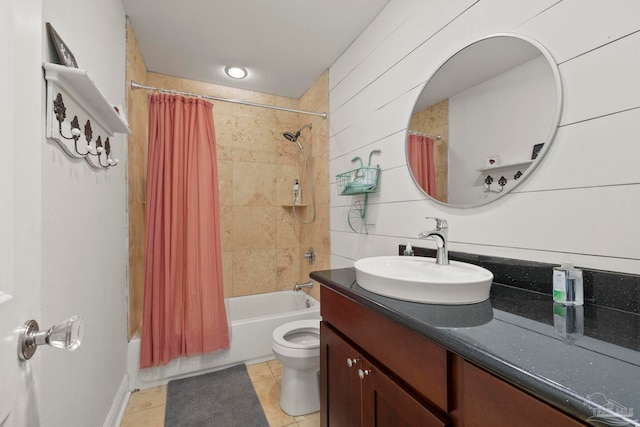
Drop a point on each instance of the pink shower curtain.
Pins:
(421, 160)
(184, 312)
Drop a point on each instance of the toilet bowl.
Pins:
(297, 346)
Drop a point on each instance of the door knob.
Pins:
(66, 335)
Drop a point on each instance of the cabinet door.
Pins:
(339, 382)
(385, 403)
(489, 401)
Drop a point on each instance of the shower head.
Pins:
(293, 137)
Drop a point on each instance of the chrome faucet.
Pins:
(439, 234)
(299, 286)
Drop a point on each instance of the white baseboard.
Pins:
(119, 405)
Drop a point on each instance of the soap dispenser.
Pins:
(297, 193)
(408, 250)
(568, 285)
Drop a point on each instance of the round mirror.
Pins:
(484, 120)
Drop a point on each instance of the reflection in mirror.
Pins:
(477, 128)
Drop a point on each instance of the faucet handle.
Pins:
(441, 224)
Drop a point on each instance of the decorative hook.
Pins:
(487, 183)
(502, 182)
(75, 131)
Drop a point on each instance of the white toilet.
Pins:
(297, 346)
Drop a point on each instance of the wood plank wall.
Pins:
(581, 204)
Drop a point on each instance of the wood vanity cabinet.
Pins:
(375, 372)
(359, 393)
(369, 379)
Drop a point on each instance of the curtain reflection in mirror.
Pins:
(420, 150)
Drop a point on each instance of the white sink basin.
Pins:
(420, 279)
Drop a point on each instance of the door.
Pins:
(20, 128)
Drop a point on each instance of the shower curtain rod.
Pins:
(135, 85)
(438, 136)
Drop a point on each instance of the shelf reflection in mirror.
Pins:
(492, 104)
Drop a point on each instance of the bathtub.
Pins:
(252, 320)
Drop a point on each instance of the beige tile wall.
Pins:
(262, 243)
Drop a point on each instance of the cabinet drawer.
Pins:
(409, 356)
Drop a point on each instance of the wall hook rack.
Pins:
(71, 89)
(501, 182)
(87, 149)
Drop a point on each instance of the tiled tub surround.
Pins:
(256, 169)
(513, 335)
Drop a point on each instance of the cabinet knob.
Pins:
(364, 373)
(352, 362)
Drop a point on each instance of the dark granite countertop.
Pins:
(521, 337)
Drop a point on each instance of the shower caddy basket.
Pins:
(363, 180)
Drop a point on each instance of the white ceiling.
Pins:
(284, 44)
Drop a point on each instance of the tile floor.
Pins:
(146, 407)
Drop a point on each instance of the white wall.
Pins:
(84, 232)
(579, 205)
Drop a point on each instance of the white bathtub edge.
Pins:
(156, 376)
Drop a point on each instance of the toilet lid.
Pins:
(298, 334)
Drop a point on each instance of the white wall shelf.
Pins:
(72, 93)
(506, 166)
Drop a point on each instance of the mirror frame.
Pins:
(547, 142)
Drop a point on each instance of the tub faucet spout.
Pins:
(299, 286)
(439, 234)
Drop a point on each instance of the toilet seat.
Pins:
(299, 334)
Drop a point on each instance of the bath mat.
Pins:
(223, 398)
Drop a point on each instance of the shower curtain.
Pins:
(420, 150)
(184, 312)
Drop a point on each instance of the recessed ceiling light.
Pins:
(236, 72)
